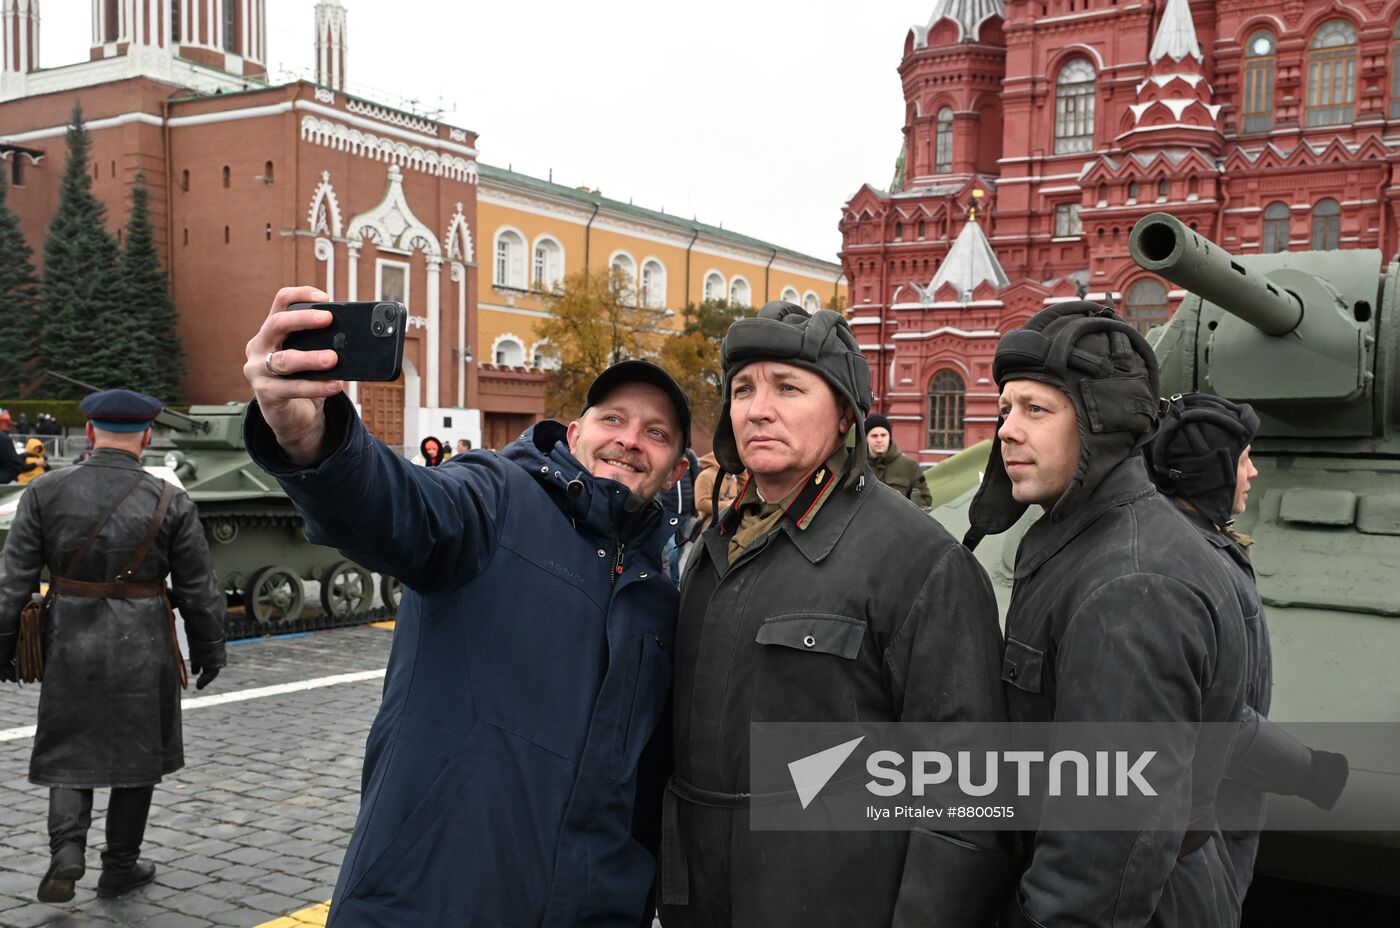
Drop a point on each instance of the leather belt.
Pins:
(117, 590)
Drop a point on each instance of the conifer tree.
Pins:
(157, 363)
(81, 333)
(19, 300)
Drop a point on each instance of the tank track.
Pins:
(239, 626)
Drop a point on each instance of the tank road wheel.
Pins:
(391, 591)
(224, 531)
(346, 588)
(274, 594)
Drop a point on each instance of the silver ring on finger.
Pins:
(267, 363)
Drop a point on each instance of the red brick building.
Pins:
(255, 185)
(1037, 132)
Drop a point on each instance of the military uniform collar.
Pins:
(114, 457)
(821, 492)
(1126, 483)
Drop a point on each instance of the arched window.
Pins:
(947, 399)
(899, 231)
(1146, 304)
(509, 352)
(1395, 75)
(1332, 74)
(1074, 107)
(739, 292)
(1277, 218)
(943, 144)
(714, 286)
(653, 284)
(510, 260)
(549, 263)
(790, 295)
(623, 263)
(1327, 225)
(1163, 188)
(923, 228)
(1257, 105)
(811, 302)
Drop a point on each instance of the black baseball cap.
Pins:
(638, 371)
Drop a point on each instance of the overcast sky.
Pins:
(763, 115)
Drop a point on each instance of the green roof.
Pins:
(591, 198)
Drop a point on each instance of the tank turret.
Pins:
(1295, 334)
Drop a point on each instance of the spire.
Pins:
(969, 263)
(330, 44)
(1176, 34)
(19, 51)
(968, 14)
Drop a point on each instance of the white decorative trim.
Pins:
(517, 340)
(457, 135)
(795, 298)
(811, 295)
(739, 279)
(392, 223)
(665, 283)
(459, 239)
(325, 95)
(636, 268)
(947, 330)
(361, 121)
(400, 154)
(325, 194)
(390, 116)
(512, 310)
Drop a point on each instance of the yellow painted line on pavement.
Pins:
(315, 915)
(389, 625)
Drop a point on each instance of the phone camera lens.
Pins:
(378, 328)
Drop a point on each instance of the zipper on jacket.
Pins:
(617, 563)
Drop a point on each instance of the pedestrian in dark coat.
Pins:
(109, 708)
(1200, 461)
(893, 467)
(514, 772)
(1120, 612)
(790, 612)
(432, 451)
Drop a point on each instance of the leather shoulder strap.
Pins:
(167, 491)
(77, 558)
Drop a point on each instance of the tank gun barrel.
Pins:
(1163, 244)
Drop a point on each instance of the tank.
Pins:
(1312, 341)
(258, 542)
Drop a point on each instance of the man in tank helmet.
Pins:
(1120, 613)
(790, 612)
(1200, 461)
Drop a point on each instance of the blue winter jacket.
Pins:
(505, 782)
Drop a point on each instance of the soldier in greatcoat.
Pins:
(109, 709)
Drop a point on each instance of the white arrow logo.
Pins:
(814, 771)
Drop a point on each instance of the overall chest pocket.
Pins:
(1022, 666)
(807, 668)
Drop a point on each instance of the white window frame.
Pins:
(517, 273)
(733, 282)
(645, 298)
(790, 295)
(558, 276)
(811, 297)
(723, 293)
(379, 266)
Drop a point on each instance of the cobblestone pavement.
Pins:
(252, 829)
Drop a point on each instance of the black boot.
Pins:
(70, 814)
(122, 871)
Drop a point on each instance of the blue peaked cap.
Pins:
(120, 410)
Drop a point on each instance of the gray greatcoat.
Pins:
(1122, 613)
(896, 469)
(871, 613)
(109, 711)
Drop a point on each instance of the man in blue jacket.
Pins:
(514, 772)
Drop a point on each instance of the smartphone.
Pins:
(366, 337)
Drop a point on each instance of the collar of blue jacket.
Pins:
(605, 506)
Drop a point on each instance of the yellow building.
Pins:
(532, 233)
